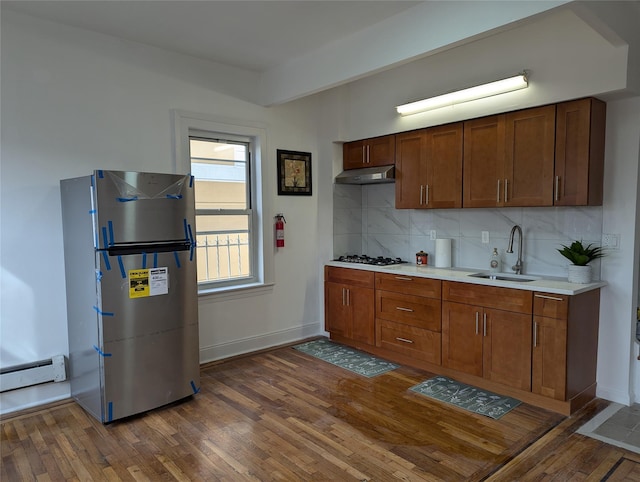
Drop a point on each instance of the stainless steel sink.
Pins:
(505, 277)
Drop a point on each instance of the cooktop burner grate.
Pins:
(364, 259)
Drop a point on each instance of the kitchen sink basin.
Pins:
(505, 277)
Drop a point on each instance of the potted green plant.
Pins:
(580, 257)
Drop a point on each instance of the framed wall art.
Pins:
(294, 173)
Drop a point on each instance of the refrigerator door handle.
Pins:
(124, 249)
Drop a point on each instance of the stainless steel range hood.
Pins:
(367, 175)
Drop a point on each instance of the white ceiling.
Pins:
(252, 35)
(296, 48)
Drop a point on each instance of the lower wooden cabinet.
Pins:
(565, 345)
(349, 304)
(488, 343)
(539, 347)
(408, 314)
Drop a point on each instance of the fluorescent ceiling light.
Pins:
(520, 81)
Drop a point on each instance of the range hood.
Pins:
(367, 175)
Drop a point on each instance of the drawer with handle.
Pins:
(550, 305)
(430, 288)
(409, 309)
(409, 340)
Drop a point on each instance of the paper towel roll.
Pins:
(443, 253)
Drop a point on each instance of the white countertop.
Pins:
(548, 284)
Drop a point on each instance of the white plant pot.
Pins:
(579, 274)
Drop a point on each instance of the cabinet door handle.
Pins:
(421, 193)
(404, 309)
(477, 322)
(404, 340)
(535, 334)
(348, 297)
(557, 193)
(427, 195)
(484, 324)
(404, 278)
(506, 190)
(368, 159)
(546, 297)
(498, 194)
(343, 297)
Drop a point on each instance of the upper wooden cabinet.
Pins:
(509, 159)
(579, 153)
(377, 151)
(429, 168)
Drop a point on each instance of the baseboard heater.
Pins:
(53, 369)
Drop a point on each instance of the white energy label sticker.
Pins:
(158, 281)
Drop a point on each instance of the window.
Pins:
(221, 168)
(234, 258)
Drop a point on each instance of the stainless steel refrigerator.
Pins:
(131, 286)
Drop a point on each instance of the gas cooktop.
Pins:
(364, 259)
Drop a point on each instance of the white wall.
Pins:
(74, 101)
(617, 363)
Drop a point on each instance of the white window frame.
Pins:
(188, 124)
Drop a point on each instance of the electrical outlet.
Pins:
(611, 241)
(485, 237)
(432, 234)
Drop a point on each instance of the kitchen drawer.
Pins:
(409, 340)
(551, 305)
(431, 288)
(409, 309)
(353, 277)
(507, 299)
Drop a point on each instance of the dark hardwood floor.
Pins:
(283, 415)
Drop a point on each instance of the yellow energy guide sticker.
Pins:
(138, 283)
(148, 282)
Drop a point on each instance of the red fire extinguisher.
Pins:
(280, 221)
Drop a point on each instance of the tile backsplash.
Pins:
(366, 222)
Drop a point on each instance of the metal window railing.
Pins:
(223, 255)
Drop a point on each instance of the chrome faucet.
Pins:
(518, 266)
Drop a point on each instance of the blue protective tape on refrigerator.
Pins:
(99, 276)
(174, 196)
(194, 388)
(175, 255)
(155, 260)
(107, 265)
(191, 181)
(105, 240)
(122, 271)
(93, 180)
(92, 211)
(100, 173)
(103, 313)
(186, 230)
(110, 411)
(192, 250)
(144, 260)
(111, 240)
(127, 199)
(100, 352)
(190, 233)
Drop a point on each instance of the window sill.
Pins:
(235, 292)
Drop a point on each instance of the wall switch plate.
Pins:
(432, 234)
(485, 237)
(611, 241)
